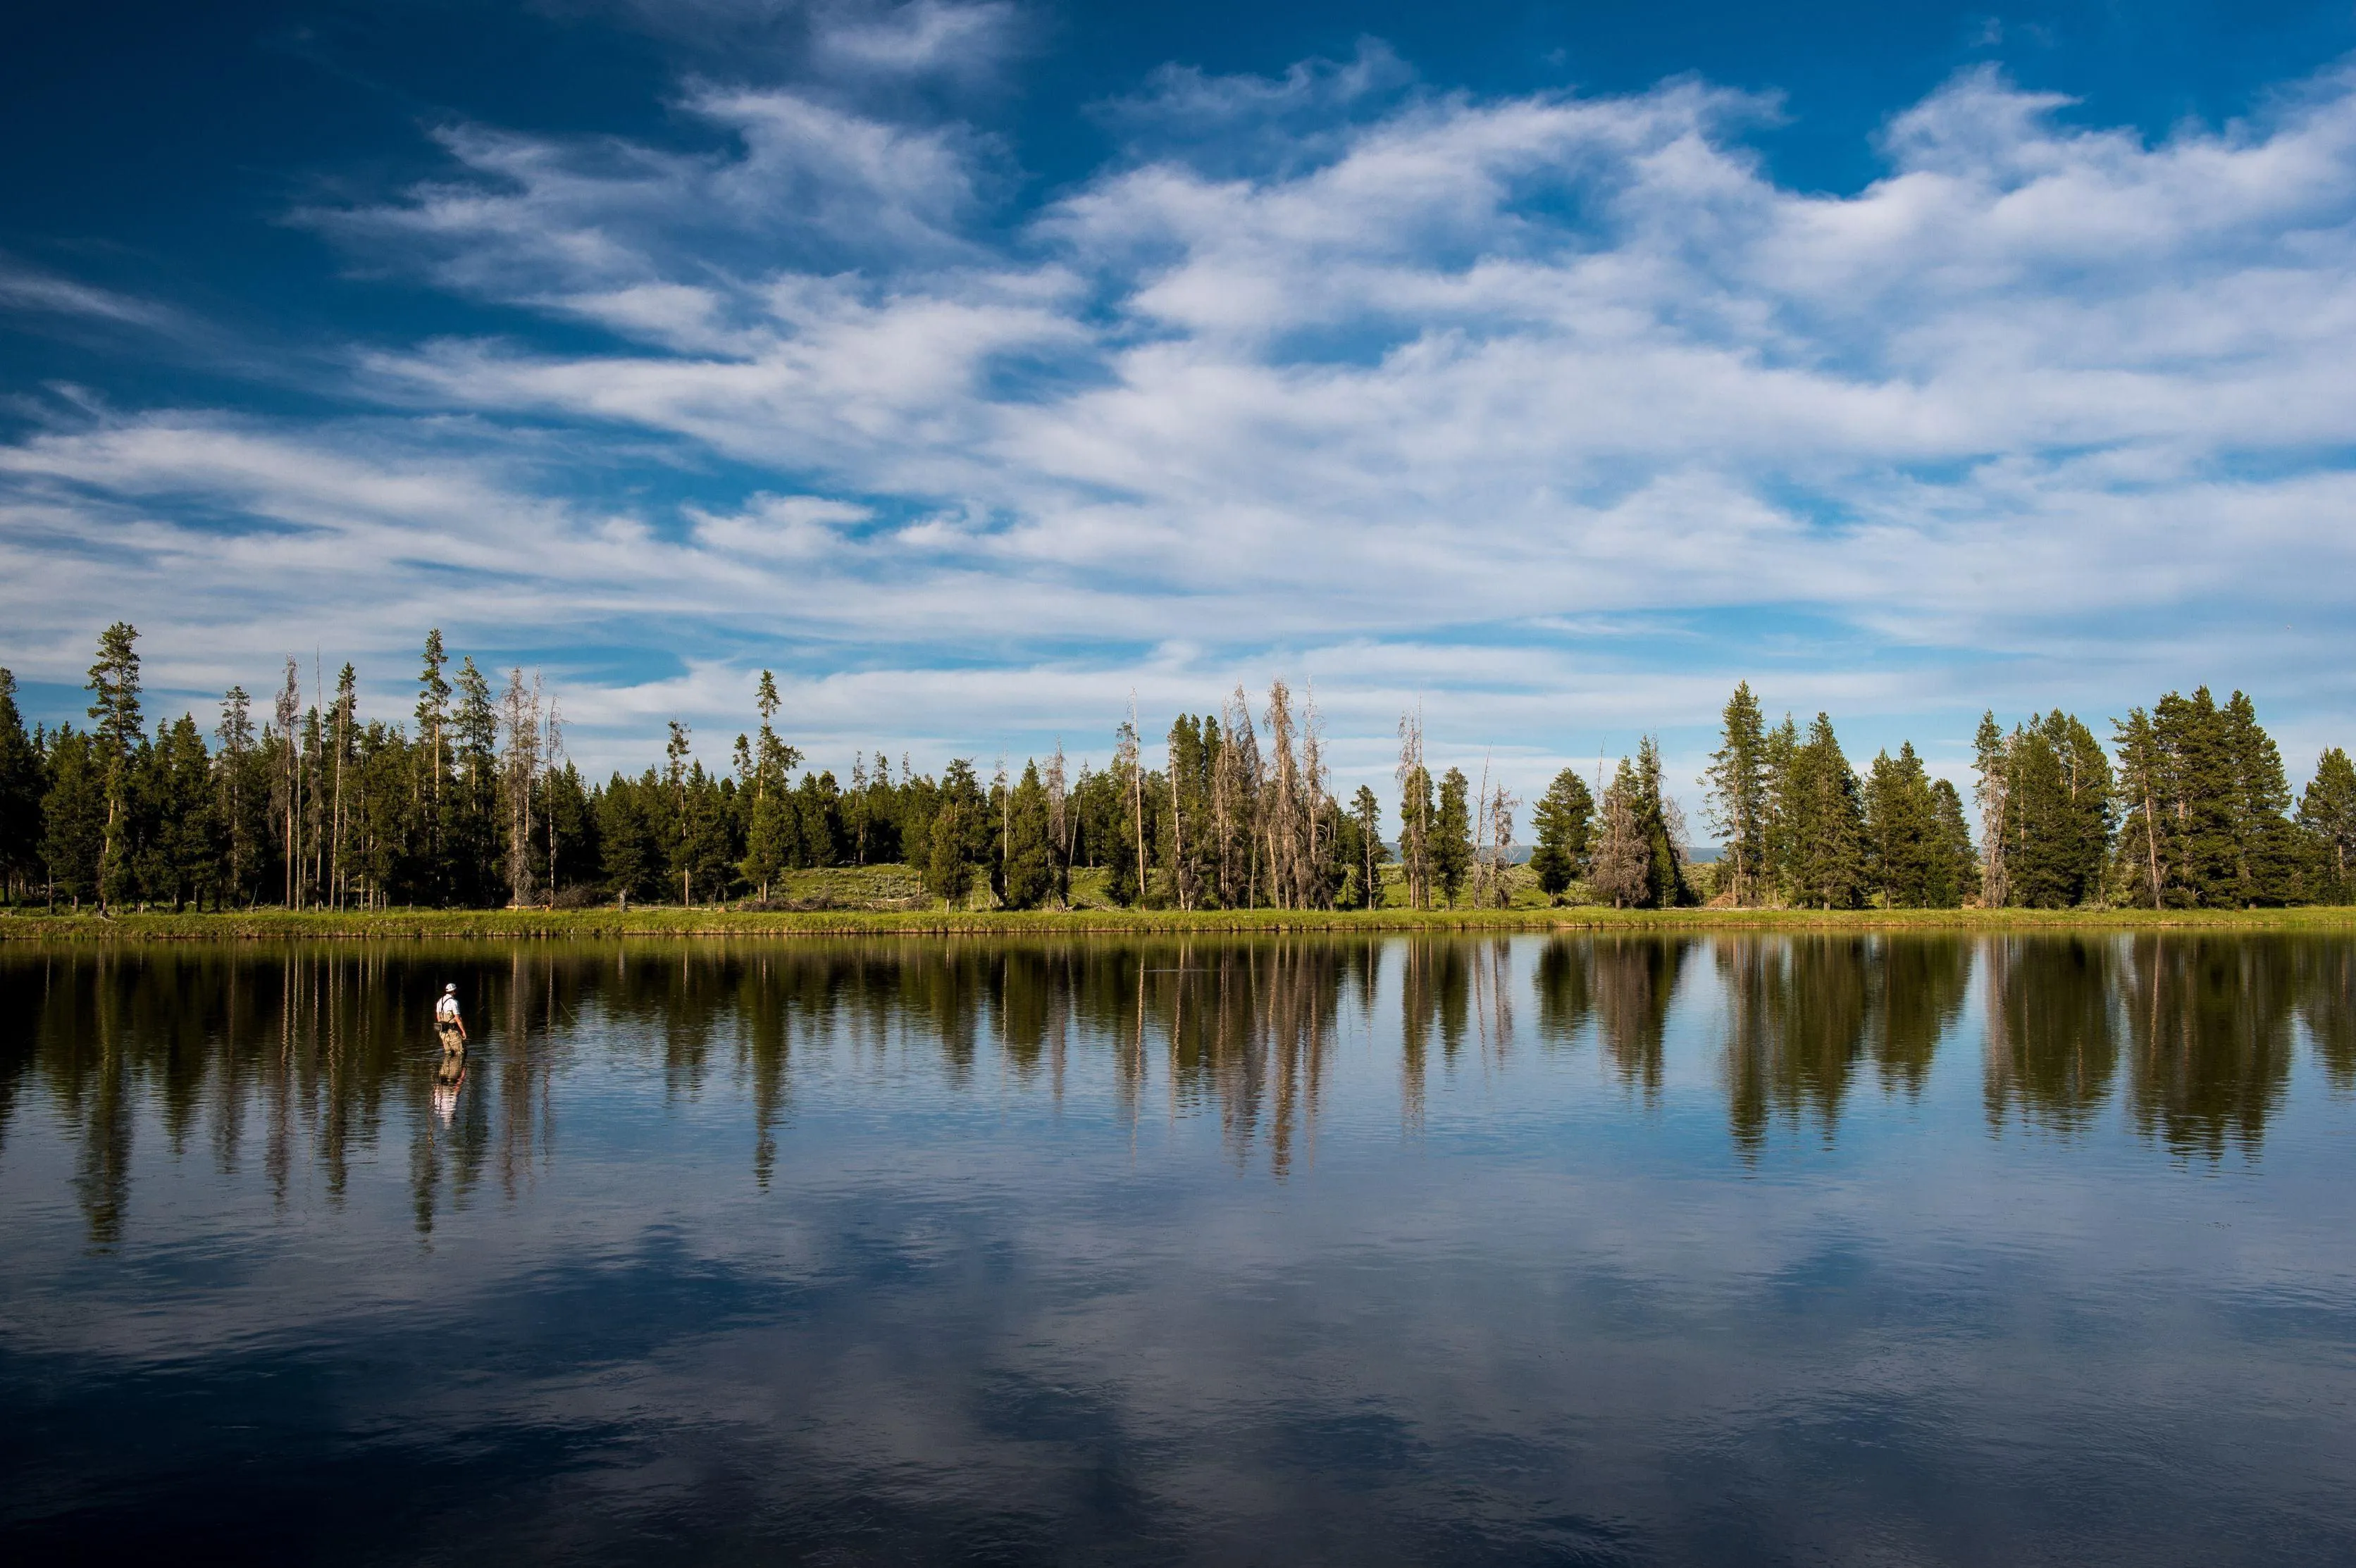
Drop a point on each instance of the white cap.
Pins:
(452, 987)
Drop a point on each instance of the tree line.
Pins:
(472, 802)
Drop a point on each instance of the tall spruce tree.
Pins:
(1451, 835)
(1029, 872)
(1561, 819)
(116, 737)
(22, 785)
(2057, 794)
(2265, 849)
(1955, 869)
(73, 818)
(1739, 797)
(1901, 831)
(1826, 825)
(1664, 830)
(1366, 812)
(2327, 812)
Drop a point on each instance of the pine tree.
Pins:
(1739, 797)
(22, 785)
(631, 850)
(2265, 852)
(959, 836)
(1663, 829)
(242, 796)
(1826, 869)
(475, 825)
(1561, 821)
(1366, 814)
(2056, 795)
(2142, 784)
(433, 714)
(2327, 812)
(184, 858)
(1030, 873)
(1902, 848)
(1955, 869)
(73, 817)
(764, 765)
(1451, 835)
(115, 738)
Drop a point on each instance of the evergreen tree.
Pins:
(2265, 849)
(1664, 830)
(1030, 873)
(182, 858)
(1451, 835)
(1901, 831)
(1739, 797)
(2056, 795)
(2142, 784)
(960, 835)
(1560, 820)
(1784, 809)
(1826, 825)
(116, 739)
(474, 826)
(770, 817)
(73, 817)
(1955, 872)
(22, 785)
(1370, 853)
(241, 798)
(632, 848)
(2327, 812)
(432, 713)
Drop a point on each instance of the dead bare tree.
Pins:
(519, 770)
(1414, 802)
(552, 753)
(1059, 828)
(1236, 807)
(1280, 803)
(1501, 844)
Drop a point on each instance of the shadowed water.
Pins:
(1517, 1250)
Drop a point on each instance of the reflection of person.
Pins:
(446, 1018)
(446, 1078)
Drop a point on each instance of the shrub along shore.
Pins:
(33, 925)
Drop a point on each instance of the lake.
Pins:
(1680, 1250)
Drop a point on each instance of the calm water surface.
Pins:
(1529, 1249)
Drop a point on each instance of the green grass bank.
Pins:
(33, 925)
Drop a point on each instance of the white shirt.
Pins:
(446, 1011)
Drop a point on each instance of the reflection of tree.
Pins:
(1251, 1029)
(1566, 982)
(2052, 1029)
(1796, 1015)
(2323, 975)
(1636, 979)
(2209, 1026)
(1918, 993)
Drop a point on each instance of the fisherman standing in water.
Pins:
(446, 1020)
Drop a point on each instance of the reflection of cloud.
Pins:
(789, 1234)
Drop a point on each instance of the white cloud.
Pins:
(1335, 374)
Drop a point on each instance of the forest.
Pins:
(471, 802)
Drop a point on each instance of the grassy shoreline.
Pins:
(675, 921)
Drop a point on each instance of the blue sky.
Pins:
(978, 365)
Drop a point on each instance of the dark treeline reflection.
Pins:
(1803, 1012)
(298, 1061)
(2197, 1032)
